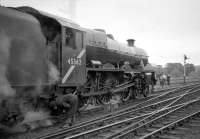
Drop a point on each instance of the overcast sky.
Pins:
(166, 29)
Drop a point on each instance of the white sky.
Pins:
(166, 29)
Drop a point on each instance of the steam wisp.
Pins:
(5, 87)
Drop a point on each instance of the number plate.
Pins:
(74, 61)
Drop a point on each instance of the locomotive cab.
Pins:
(66, 48)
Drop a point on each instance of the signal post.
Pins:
(184, 68)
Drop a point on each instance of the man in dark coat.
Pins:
(69, 103)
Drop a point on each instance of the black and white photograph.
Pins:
(99, 69)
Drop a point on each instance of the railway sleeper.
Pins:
(149, 111)
(166, 122)
(166, 136)
(194, 124)
(141, 134)
(130, 136)
(142, 113)
(173, 116)
(182, 128)
(157, 125)
(151, 129)
(176, 132)
(135, 115)
(197, 118)
(100, 124)
(194, 121)
(128, 116)
(107, 133)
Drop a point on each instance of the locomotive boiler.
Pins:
(101, 47)
(48, 58)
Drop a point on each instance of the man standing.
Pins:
(168, 79)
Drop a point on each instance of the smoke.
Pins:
(32, 116)
(27, 65)
(53, 73)
(22, 63)
(5, 88)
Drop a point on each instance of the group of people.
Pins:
(164, 80)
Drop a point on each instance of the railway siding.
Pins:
(149, 109)
(130, 113)
(161, 122)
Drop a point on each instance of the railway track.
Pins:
(85, 116)
(152, 127)
(180, 129)
(187, 97)
(126, 116)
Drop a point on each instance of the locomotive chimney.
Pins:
(131, 42)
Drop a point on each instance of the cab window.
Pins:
(69, 38)
(73, 38)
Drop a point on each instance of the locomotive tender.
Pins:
(51, 55)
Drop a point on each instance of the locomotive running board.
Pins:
(121, 88)
(105, 69)
(117, 89)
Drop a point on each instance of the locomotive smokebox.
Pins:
(131, 42)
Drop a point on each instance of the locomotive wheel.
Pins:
(126, 95)
(84, 103)
(93, 100)
(146, 92)
(97, 100)
(105, 99)
(135, 93)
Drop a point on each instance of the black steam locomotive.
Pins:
(47, 58)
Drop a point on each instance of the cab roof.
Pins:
(62, 21)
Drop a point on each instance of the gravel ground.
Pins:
(193, 133)
(185, 131)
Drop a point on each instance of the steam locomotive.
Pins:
(47, 58)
